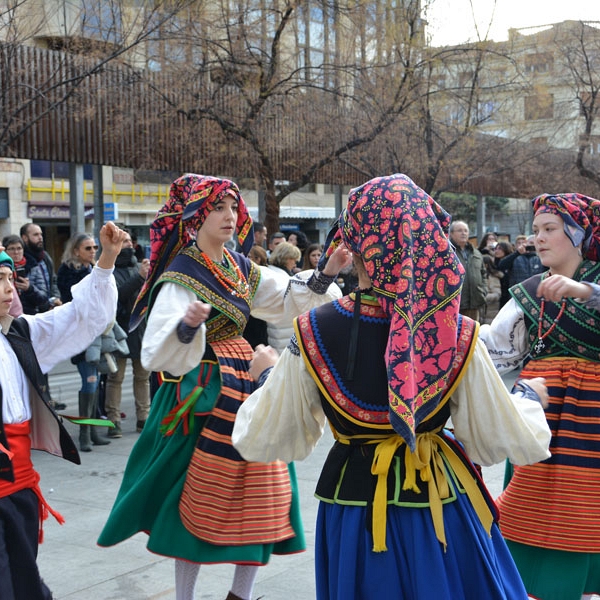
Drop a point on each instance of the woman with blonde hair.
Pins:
(285, 256)
(78, 260)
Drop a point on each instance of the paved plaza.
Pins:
(75, 568)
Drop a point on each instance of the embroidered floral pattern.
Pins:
(399, 230)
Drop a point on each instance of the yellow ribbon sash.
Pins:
(427, 460)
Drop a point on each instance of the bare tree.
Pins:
(88, 36)
(579, 54)
(282, 76)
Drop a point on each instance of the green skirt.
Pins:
(555, 574)
(148, 500)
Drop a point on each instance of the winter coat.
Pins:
(474, 290)
(520, 267)
(129, 282)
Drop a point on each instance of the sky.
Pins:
(452, 21)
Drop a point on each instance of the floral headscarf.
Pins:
(400, 233)
(191, 198)
(581, 216)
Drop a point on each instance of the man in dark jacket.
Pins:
(39, 269)
(523, 263)
(130, 276)
(474, 290)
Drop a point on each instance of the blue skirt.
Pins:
(415, 566)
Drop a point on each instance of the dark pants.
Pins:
(19, 527)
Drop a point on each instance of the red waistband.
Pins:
(25, 476)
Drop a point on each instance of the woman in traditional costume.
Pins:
(184, 484)
(404, 514)
(550, 511)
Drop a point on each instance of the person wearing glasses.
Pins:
(78, 260)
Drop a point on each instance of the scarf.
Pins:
(191, 198)
(400, 233)
(581, 217)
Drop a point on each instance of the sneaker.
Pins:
(139, 426)
(115, 432)
(58, 405)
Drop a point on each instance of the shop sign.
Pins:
(42, 211)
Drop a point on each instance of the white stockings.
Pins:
(243, 581)
(186, 574)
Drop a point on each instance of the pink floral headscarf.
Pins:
(400, 233)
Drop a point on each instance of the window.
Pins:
(4, 212)
(586, 102)
(102, 20)
(593, 145)
(486, 111)
(47, 169)
(539, 106)
(316, 40)
(540, 62)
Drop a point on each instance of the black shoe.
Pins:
(139, 426)
(58, 405)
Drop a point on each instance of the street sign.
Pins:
(111, 211)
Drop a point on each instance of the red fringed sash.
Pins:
(25, 476)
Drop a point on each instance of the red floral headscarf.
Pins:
(191, 198)
(581, 216)
(400, 233)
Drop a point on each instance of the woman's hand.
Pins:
(264, 357)
(197, 312)
(341, 257)
(21, 283)
(144, 268)
(556, 287)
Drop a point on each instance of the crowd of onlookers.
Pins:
(40, 287)
(491, 269)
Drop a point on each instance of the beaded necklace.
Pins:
(540, 343)
(229, 276)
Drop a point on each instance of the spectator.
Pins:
(402, 513)
(284, 257)
(494, 279)
(311, 257)
(488, 243)
(138, 250)
(523, 263)
(277, 238)
(77, 263)
(31, 346)
(474, 291)
(14, 247)
(502, 250)
(256, 329)
(39, 270)
(260, 234)
(130, 276)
